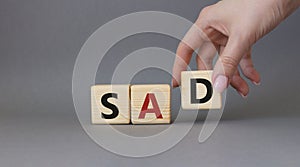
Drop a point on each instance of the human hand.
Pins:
(230, 27)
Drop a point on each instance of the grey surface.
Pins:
(39, 42)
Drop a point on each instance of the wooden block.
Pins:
(110, 104)
(150, 104)
(197, 91)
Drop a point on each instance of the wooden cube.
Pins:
(150, 104)
(197, 91)
(110, 104)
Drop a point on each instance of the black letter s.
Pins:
(115, 110)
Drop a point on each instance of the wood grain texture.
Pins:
(122, 102)
(214, 103)
(160, 94)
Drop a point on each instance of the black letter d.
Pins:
(209, 89)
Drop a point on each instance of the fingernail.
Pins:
(243, 96)
(221, 83)
(256, 83)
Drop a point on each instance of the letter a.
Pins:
(155, 109)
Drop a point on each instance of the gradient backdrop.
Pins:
(39, 43)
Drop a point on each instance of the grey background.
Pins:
(39, 42)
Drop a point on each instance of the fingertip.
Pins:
(249, 71)
(240, 85)
(254, 76)
(256, 79)
(242, 95)
(256, 83)
(222, 67)
(220, 83)
(174, 83)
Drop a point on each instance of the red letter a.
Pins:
(155, 109)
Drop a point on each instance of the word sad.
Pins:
(150, 104)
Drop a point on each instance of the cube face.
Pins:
(150, 104)
(110, 104)
(197, 91)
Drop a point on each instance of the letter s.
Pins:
(115, 110)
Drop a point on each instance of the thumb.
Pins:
(228, 62)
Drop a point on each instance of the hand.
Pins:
(230, 27)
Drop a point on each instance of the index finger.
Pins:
(191, 41)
